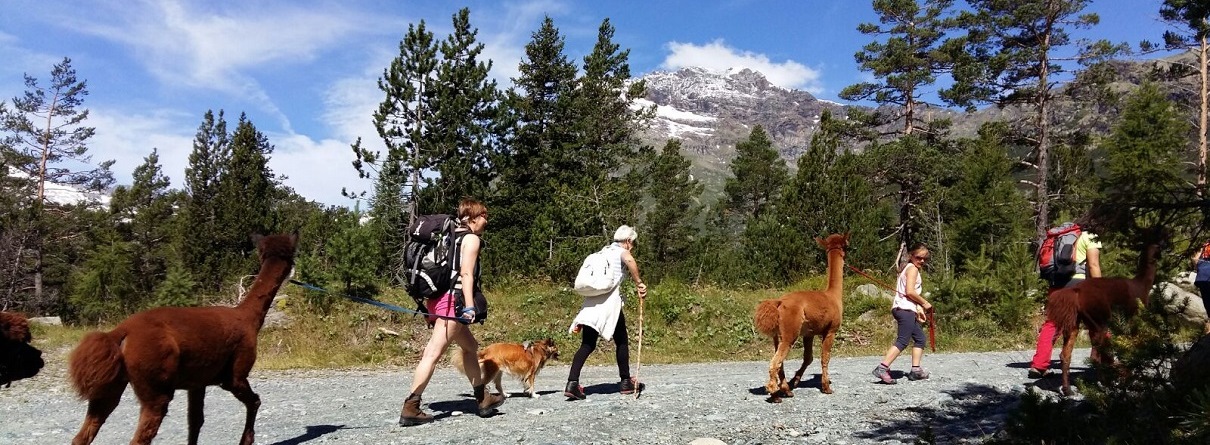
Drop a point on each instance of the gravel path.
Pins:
(966, 400)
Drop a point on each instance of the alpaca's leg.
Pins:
(825, 355)
(781, 370)
(197, 403)
(808, 342)
(1069, 343)
(155, 407)
(788, 334)
(99, 409)
(243, 392)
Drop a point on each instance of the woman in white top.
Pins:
(907, 297)
(602, 317)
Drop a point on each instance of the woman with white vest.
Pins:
(602, 316)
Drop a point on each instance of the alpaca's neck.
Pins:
(268, 281)
(1145, 272)
(835, 273)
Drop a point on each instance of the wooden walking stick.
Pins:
(639, 361)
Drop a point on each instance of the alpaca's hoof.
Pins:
(794, 382)
(827, 389)
(772, 390)
(773, 399)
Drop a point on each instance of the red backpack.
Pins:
(1057, 254)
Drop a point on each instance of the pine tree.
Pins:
(44, 139)
(198, 233)
(245, 195)
(535, 158)
(984, 207)
(669, 225)
(1142, 184)
(351, 250)
(145, 211)
(907, 170)
(1194, 17)
(757, 176)
(177, 288)
(465, 129)
(906, 62)
(404, 121)
(1010, 56)
(104, 283)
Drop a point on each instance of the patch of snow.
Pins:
(65, 194)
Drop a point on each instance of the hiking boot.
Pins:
(884, 374)
(628, 386)
(1035, 373)
(488, 402)
(918, 373)
(574, 391)
(411, 413)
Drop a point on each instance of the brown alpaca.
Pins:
(165, 349)
(1092, 302)
(804, 314)
(18, 360)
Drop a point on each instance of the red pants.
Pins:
(1046, 345)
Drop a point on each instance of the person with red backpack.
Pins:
(1069, 254)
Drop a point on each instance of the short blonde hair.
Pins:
(625, 233)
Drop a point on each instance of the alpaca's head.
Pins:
(835, 241)
(18, 360)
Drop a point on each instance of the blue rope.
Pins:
(380, 304)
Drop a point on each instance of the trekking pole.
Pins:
(639, 362)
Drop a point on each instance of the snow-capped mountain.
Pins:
(711, 111)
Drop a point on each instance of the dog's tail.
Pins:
(766, 317)
(96, 367)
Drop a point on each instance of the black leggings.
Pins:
(588, 343)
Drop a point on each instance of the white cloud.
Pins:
(216, 49)
(717, 56)
(127, 138)
(316, 169)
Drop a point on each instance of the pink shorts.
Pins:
(443, 306)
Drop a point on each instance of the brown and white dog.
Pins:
(18, 360)
(522, 360)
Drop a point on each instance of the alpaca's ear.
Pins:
(820, 242)
(256, 238)
(294, 237)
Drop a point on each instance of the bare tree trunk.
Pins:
(1201, 119)
(1043, 204)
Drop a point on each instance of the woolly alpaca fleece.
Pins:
(18, 360)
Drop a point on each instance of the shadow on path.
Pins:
(313, 432)
(972, 412)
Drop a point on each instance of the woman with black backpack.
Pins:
(459, 301)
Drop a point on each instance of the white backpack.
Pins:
(595, 277)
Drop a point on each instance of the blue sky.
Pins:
(305, 71)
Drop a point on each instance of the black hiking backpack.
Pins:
(428, 255)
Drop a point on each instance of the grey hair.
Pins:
(625, 233)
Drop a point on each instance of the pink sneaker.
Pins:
(884, 374)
